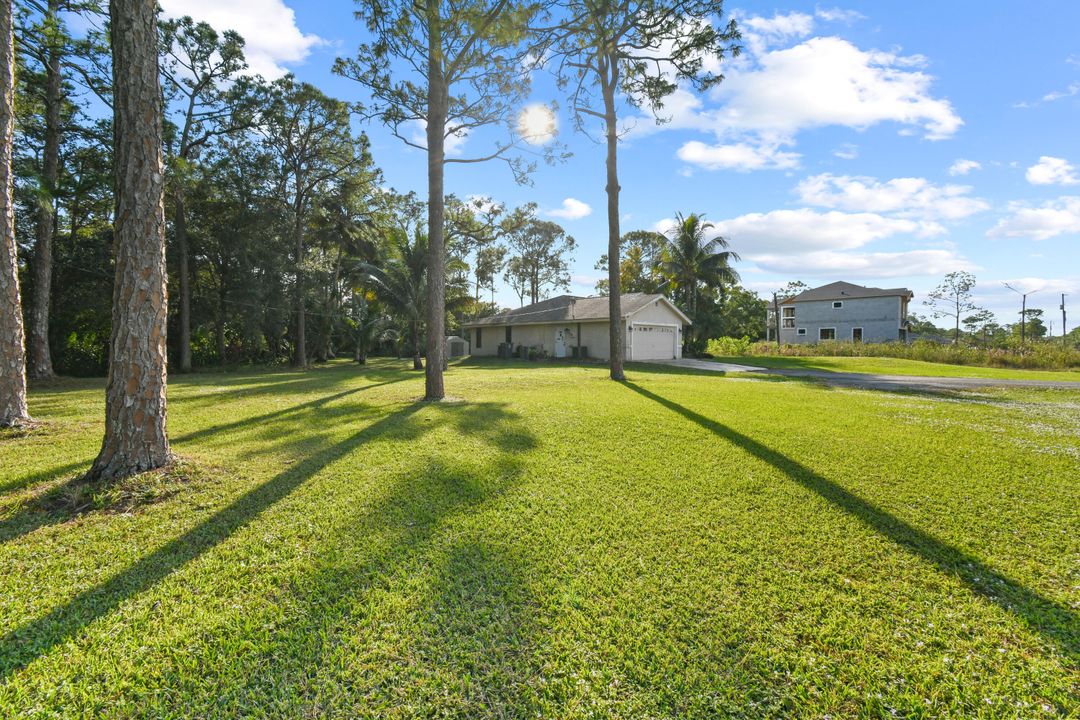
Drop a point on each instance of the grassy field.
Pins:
(897, 366)
(550, 544)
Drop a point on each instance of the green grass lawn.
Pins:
(551, 544)
(896, 366)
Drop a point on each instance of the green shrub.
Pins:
(1048, 355)
(728, 346)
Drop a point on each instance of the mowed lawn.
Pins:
(899, 366)
(550, 544)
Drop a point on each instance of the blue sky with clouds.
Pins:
(883, 144)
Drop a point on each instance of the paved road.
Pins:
(877, 382)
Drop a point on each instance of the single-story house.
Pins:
(570, 326)
(843, 311)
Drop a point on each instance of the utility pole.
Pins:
(1023, 311)
(1023, 319)
(1063, 327)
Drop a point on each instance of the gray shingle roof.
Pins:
(841, 290)
(566, 308)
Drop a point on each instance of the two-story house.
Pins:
(843, 311)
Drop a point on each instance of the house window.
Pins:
(826, 334)
(479, 338)
(801, 331)
(838, 304)
(509, 335)
(856, 334)
(787, 314)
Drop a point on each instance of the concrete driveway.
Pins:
(875, 382)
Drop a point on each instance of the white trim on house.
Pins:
(853, 334)
(670, 304)
(823, 329)
(837, 304)
(675, 334)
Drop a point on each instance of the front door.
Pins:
(560, 342)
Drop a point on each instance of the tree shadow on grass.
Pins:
(22, 481)
(834, 381)
(52, 506)
(37, 637)
(293, 382)
(1052, 620)
(316, 404)
(406, 600)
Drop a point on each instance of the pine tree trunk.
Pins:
(40, 359)
(13, 410)
(135, 408)
(300, 354)
(615, 339)
(183, 271)
(436, 271)
(417, 363)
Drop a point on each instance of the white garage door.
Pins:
(653, 342)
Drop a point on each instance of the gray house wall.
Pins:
(880, 318)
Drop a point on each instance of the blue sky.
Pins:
(885, 145)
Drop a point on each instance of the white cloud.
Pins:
(905, 197)
(805, 230)
(963, 167)
(1053, 286)
(663, 226)
(1059, 94)
(795, 24)
(737, 156)
(776, 90)
(830, 244)
(1044, 293)
(453, 144)
(760, 33)
(1053, 218)
(1052, 171)
(846, 151)
(864, 265)
(272, 39)
(838, 15)
(829, 81)
(571, 209)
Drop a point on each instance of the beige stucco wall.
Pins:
(490, 337)
(594, 335)
(658, 312)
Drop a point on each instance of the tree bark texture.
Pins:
(40, 359)
(434, 388)
(135, 409)
(615, 339)
(417, 361)
(13, 409)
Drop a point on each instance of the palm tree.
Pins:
(400, 279)
(692, 264)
